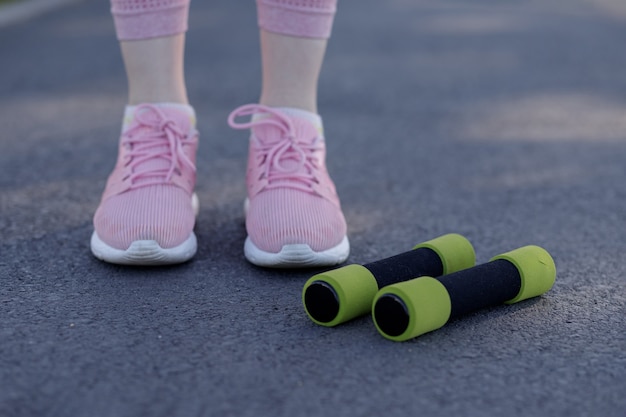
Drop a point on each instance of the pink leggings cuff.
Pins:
(144, 19)
(301, 18)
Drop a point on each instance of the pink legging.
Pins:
(142, 19)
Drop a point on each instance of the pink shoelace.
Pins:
(300, 175)
(155, 144)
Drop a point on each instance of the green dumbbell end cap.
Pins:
(455, 251)
(408, 309)
(536, 268)
(339, 295)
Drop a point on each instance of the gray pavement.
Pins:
(502, 121)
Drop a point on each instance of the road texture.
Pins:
(503, 121)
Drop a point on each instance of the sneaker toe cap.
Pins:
(162, 214)
(286, 217)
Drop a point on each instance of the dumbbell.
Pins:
(408, 309)
(339, 295)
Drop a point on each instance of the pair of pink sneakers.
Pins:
(148, 209)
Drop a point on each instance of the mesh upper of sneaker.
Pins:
(148, 194)
(292, 198)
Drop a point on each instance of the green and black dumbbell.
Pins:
(408, 309)
(339, 295)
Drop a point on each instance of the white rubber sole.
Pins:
(144, 252)
(297, 255)
(148, 252)
(294, 256)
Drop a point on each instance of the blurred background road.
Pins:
(503, 121)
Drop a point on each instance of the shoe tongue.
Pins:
(183, 115)
(306, 129)
(150, 125)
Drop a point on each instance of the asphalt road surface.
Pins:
(504, 121)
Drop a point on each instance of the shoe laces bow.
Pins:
(156, 144)
(275, 155)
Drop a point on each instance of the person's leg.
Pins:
(154, 68)
(294, 34)
(152, 39)
(294, 217)
(291, 67)
(147, 212)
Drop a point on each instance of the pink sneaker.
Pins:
(293, 214)
(147, 212)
